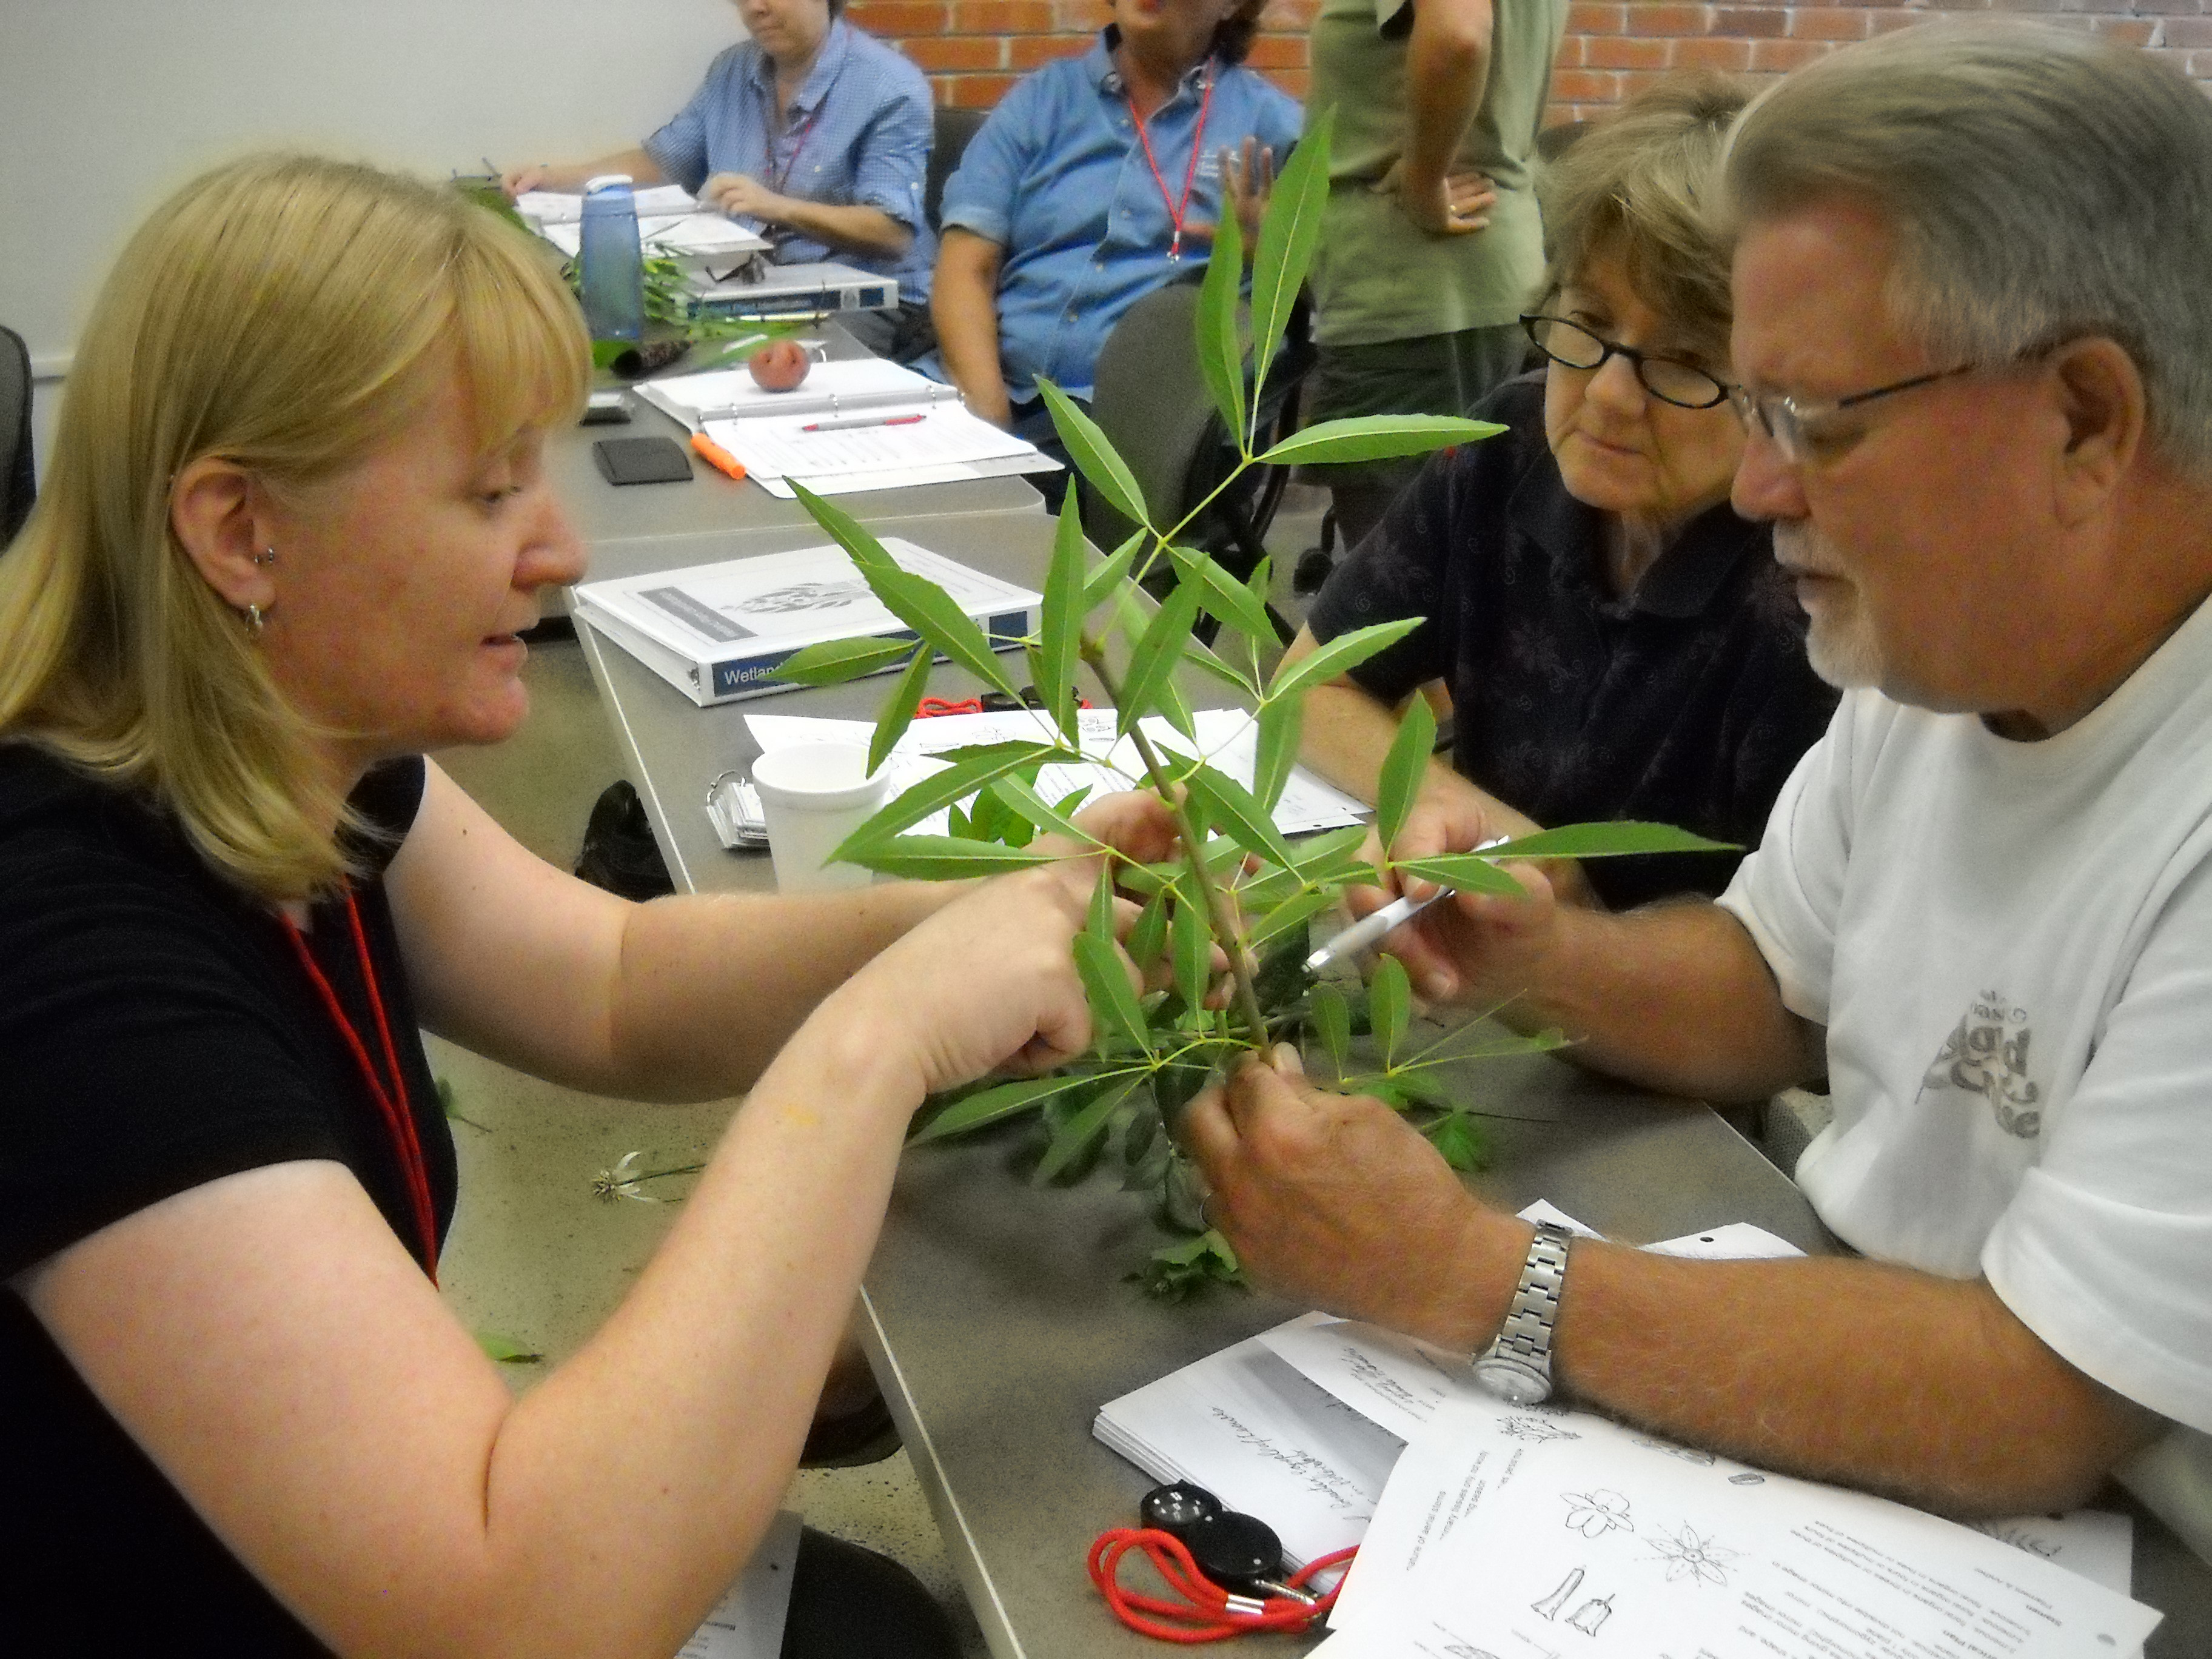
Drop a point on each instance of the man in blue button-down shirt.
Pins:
(817, 135)
(1065, 211)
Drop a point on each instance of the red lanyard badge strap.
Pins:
(391, 1104)
(1177, 211)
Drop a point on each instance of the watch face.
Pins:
(1513, 1382)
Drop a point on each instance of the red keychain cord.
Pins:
(393, 1103)
(1205, 1613)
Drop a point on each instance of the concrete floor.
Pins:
(537, 1261)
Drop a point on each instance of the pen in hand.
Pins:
(1370, 929)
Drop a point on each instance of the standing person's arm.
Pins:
(963, 303)
(1447, 68)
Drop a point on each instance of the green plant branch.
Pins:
(1218, 911)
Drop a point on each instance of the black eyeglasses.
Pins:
(1667, 379)
(1793, 422)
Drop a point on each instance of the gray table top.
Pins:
(999, 1316)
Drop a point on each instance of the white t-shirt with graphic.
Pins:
(2011, 944)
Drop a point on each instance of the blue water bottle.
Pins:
(611, 262)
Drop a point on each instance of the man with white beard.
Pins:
(1975, 367)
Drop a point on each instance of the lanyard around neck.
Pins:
(391, 1104)
(1177, 211)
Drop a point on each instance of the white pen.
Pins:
(863, 420)
(1369, 929)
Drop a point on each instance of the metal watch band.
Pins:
(1526, 1332)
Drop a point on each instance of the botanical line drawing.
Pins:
(1535, 1430)
(1589, 1618)
(1550, 1606)
(1703, 1460)
(1689, 1556)
(1597, 1512)
(1461, 1651)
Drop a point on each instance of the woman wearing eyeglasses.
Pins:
(1611, 640)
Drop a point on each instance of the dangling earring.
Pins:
(253, 621)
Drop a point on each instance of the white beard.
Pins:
(1840, 640)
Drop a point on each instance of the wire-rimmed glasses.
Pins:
(1793, 422)
(1669, 380)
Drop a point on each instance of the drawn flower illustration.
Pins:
(1597, 1512)
(1688, 1556)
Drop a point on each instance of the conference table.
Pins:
(998, 1316)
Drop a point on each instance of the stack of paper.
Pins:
(1514, 1532)
(719, 632)
(668, 222)
(1227, 738)
(854, 424)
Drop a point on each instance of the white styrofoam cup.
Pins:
(813, 795)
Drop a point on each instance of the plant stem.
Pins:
(1217, 906)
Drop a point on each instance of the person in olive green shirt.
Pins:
(1431, 247)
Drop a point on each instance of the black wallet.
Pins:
(642, 460)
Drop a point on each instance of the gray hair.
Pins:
(2043, 186)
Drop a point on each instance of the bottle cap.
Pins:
(604, 180)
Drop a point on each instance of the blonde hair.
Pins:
(291, 315)
(1639, 185)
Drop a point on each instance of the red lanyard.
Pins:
(392, 1101)
(1176, 212)
(777, 180)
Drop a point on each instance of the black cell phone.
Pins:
(642, 460)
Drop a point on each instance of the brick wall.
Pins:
(974, 50)
(1612, 49)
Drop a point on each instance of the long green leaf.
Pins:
(1000, 1101)
(1389, 1005)
(1114, 1004)
(1087, 446)
(1376, 438)
(1277, 749)
(1214, 668)
(899, 709)
(931, 612)
(1194, 951)
(1343, 653)
(1465, 873)
(1099, 921)
(970, 770)
(942, 858)
(1331, 1020)
(1288, 236)
(1627, 838)
(845, 530)
(1221, 353)
(1233, 807)
(1032, 808)
(1320, 856)
(835, 661)
(1060, 631)
(1079, 1134)
(1223, 595)
(1148, 936)
(1165, 639)
(1404, 769)
(1107, 576)
(1294, 912)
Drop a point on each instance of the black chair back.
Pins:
(954, 128)
(18, 479)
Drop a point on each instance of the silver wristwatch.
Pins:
(1517, 1366)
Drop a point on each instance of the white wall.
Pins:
(107, 105)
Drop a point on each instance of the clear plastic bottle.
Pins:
(611, 262)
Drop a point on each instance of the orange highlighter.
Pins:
(717, 457)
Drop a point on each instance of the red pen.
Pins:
(865, 420)
(717, 457)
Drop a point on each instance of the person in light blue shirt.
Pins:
(1097, 180)
(817, 135)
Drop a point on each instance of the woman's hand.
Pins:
(742, 196)
(1456, 204)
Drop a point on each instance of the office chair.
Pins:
(952, 129)
(18, 482)
(1149, 397)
